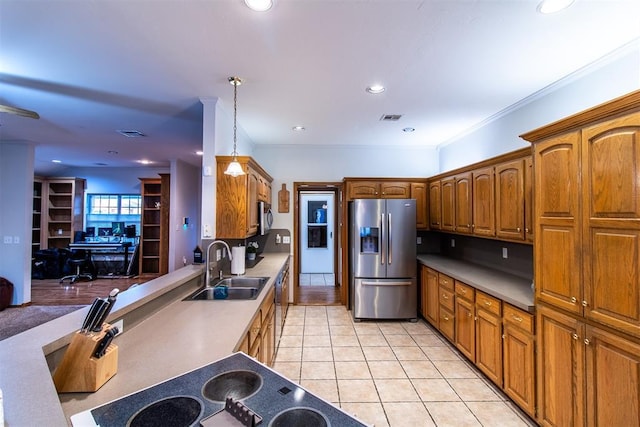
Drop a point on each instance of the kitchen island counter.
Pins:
(512, 289)
(163, 337)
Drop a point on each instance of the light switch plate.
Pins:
(505, 254)
(286, 239)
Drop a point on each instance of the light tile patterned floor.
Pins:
(390, 373)
(317, 279)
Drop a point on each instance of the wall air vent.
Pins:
(390, 117)
(131, 133)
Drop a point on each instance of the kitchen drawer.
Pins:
(465, 291)
(489, 303)
(445, 281)
(446, 299)
(518, 318)
(446, 323)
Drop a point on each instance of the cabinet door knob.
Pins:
(468, 314)
(518, 229)
(446, 318)
(526, 230)
(586, 341)
(584, 303)
(444, 296)
(574, 300)
(575, 336)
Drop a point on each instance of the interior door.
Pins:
(317, 232)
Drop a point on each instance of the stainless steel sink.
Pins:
(235, 288)
(243, 282)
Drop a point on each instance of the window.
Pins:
(105, 209)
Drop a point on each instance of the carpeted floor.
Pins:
(14, 320)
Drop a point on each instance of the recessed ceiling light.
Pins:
(200, 153)
(552, 6)
(409, 130)
(298, 128)
(130, 133)
(376, 89)
(259, 5)
(56, 161)
(145, 162)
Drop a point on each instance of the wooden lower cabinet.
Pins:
(489, 336)
(518, 358)
(465, 324)
(260, 340)
(587, 376)
(429, 299)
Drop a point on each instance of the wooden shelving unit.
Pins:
(58, 202)
(154, 233)
(36, 227)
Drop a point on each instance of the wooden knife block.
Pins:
(79, 371)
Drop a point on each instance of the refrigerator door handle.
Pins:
(382, 252)
(389, 240)
(366, 283)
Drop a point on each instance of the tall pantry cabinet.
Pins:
(587, 260)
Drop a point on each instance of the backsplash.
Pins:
(486, 252)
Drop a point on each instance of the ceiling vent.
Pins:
(131, 133)
(390, 117)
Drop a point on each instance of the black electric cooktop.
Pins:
(192, 398)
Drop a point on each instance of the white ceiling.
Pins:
(90, 68)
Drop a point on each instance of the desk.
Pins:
(109, 248)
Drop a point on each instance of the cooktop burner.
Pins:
(189, 398)
(235, 384)
(299, 417)
(174, 411)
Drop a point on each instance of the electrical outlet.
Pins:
(8, 239)
(286, 240)
(419, 240)
(505, 254)
(207, 230)
(120, 325)
(453, 243)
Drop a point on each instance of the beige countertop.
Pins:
(163, 337)
(512, 289)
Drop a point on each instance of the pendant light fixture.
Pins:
(234, 169)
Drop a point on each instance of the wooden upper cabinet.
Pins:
(395, 190)
(483, 194)
(419, 193)
(447, 189)
(237, 198)
(463, 210)
(371, 189)
(510, 200)
(611, 216)
(528, 199)
(557, 250)
(435, 205)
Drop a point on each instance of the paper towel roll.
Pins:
(237, 263)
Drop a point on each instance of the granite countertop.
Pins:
(177, 337)
(510, 288)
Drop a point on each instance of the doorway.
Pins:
(316, 244)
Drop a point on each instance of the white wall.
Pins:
(185, 202)
(290, 163)
(16, 213)
(106, 180)
(609, 78)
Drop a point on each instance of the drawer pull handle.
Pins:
(516, 318)
(487, 303)
(446, 318)
(444, 296)
(463, 290)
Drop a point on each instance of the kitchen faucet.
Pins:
(208, 270)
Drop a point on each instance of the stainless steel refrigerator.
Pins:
(383, 258)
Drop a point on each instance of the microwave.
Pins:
(265, 218)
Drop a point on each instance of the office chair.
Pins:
(78, 260)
